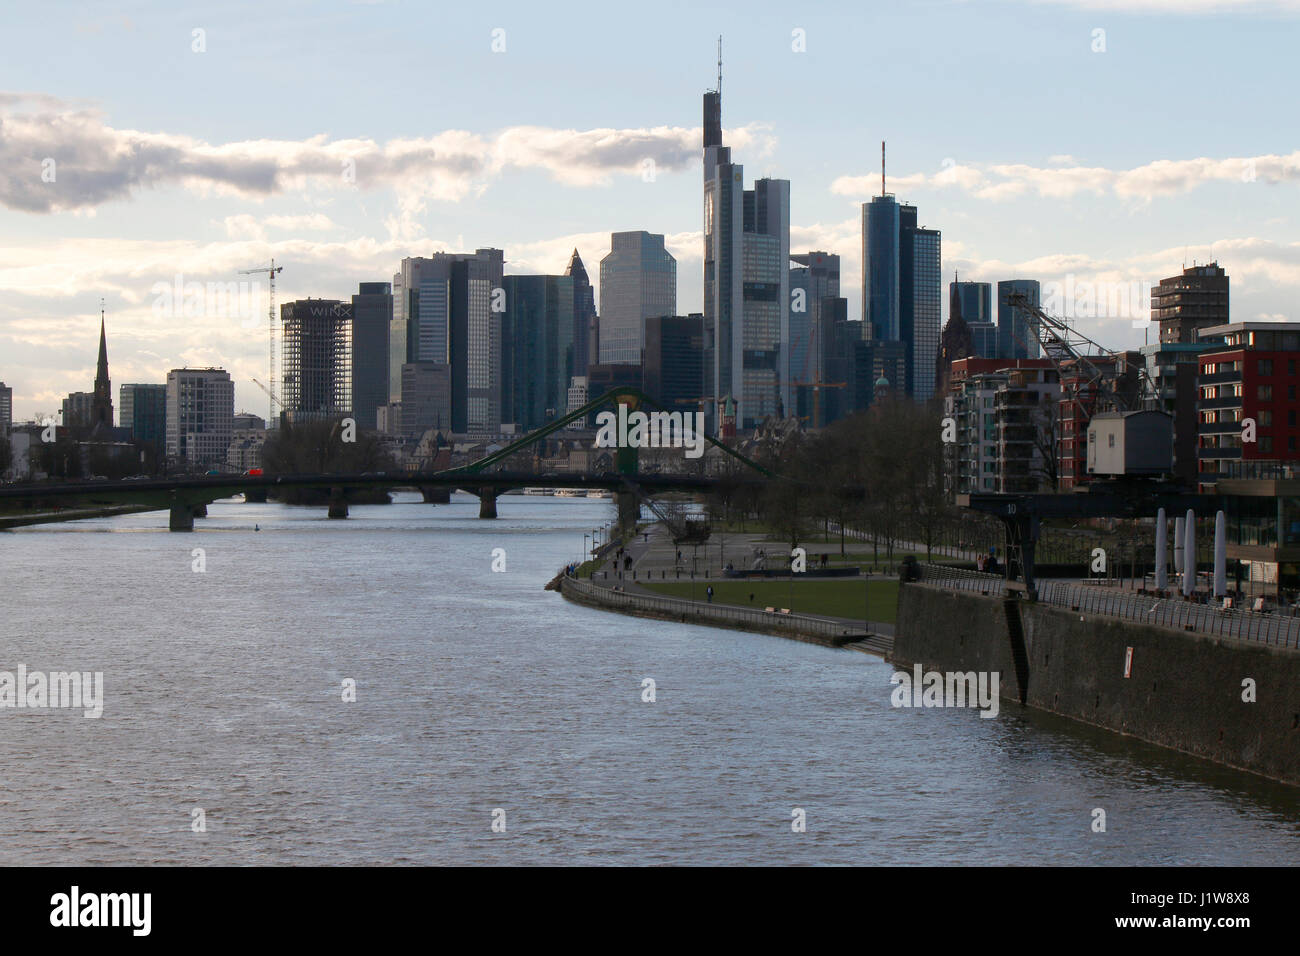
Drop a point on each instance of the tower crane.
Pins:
(270, 334)
(275, 400)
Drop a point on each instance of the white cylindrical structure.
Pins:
(1178, 544)
(1189, 552)
(1162, 542)
(1220, 555)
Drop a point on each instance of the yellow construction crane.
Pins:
(275, 400)
(270, 333)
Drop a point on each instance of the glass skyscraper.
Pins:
(638, 280)
(1015, 340)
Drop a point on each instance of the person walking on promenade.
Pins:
(709, 592)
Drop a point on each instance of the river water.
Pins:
(476, 691)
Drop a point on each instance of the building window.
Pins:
(1290, 418)
(1264, 393)
(1290, 366)
(1265, 418)
(1266, 443)
(1265, 367)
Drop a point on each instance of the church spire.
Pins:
(102, 404)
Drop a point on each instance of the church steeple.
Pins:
(102, 404)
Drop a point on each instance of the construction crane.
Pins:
(818, 385)
(270, 334)
(275, 401)
(1065, 345)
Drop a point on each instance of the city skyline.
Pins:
(225, 186)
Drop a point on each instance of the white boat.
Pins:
(570, 493)
(539, 491)
(599, 493)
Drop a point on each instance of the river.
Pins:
(476, 691)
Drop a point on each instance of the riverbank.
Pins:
(652, 555)
(1231, 701)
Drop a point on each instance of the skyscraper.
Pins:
(316, 359)
(638, 279)
(973, 303)
(537, 348)
(1015, 340)
(584, 315)
(447, 308)
(902, 287)
(372, 313)
(746, 281)
(6, 406)
(673, 372)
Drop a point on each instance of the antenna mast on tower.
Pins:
(719, 65)
(882, 167)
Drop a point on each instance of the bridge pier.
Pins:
(255, 496)
(436, 494)
(629, 509)
(180, 517)
(487, 503)
(199, 511)
(338, 504)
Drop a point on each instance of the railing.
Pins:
(1270, 628)
(962, 579)
(722, 613)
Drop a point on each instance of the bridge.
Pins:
(187, 497)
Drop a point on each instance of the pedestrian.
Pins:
(709, 592)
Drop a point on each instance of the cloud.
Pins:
(55, 156)
(1165, 177)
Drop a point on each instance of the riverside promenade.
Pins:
(618, 584)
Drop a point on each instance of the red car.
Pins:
(253, 472)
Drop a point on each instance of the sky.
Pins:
(1096, 144)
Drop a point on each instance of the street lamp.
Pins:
(585, 551)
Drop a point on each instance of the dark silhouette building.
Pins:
(673, 360)
(1183, 304)
(372, 313)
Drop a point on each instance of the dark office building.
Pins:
(1015, 338)
(585, 332)
(372, 313)
(673, 360)
(536, 348)
(601, 378)
(426, 398)
(1197, 299)
(143, 410)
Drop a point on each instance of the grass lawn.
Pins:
(836, 598)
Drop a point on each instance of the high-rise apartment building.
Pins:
(447, 309)
(6, 406)
(638, 279)
(372, 313)
(316, 359)
(1183, 304)
(200, 411)
(746, 282)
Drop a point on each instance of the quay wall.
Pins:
(1183, 691)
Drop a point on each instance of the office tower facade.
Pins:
(1183, 304)
(6, 406)
(372, 313)
(902, 288)
(316, 359)
(746, 283)
(426, 398)
(200, 412)
(814, 285)
(1016, 339)
(973, 302)
(447, 309)
(920, 300)
(537, 346)
(143, 410)
(880, 268)
(584, 315)
(673, 371)
(638, 279)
